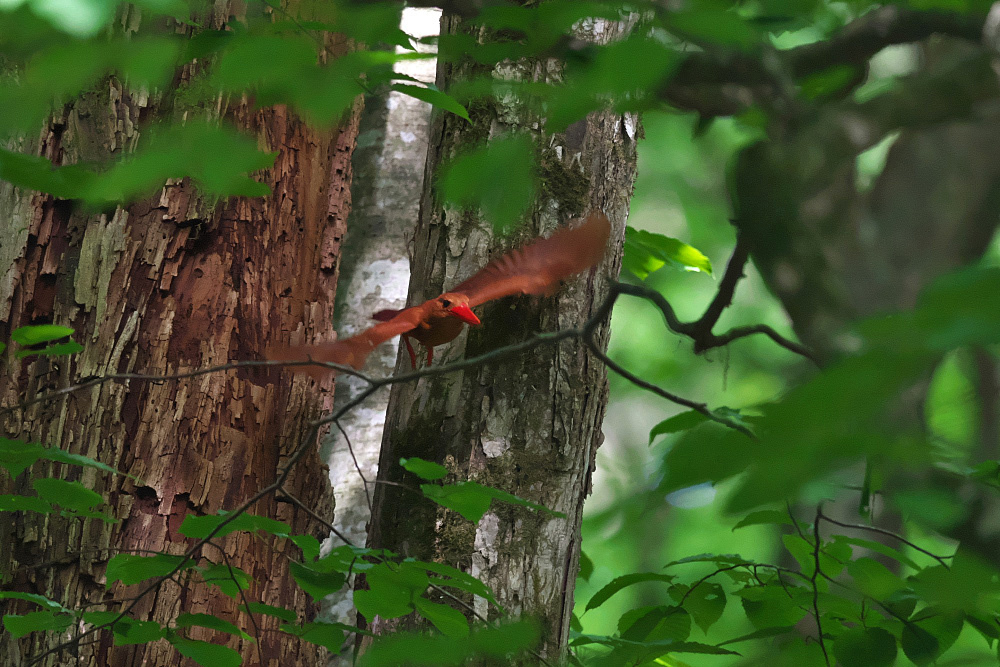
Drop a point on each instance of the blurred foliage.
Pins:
(700, 541)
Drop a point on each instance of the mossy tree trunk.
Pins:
(529, 425)
(167, 285)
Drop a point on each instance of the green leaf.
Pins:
(39, 333)
(873, 578)
(761, 634)
(310, 545)
(133, 568)
(682, 422)
(618, 583)
(284, 614)
(330, 635)
(877, 547)
(200, 527)
(767, 517)
(129, 631)
(500, 643)
(317, 584)
(424, 469)
(472, 499)
(498, 178)
(646, 252)
(392, 590)
(15, 503)
(451, 622)
(230, 580)
(920, 646)
(71, 495)
(715, 24)
(434, 97)
(458, 579)
(655, 623)
(865, 647)
(586, 567)
(706, 603)
(16, 455)
(187, 620)
(205, 654)
(32, 597)
(18, 626)
(71, 347)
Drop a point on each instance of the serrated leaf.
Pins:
(71, 495)
(15, 503)
(39, 333)
(133, 568)
(458, 579)
(761, 634)
(760, 517)
(499, 643)
(865, 647)
(200, 527)
(69, 347)
(129, 631)
(450, 621)
(424, 469)
(618, 583)
(472, 499)
(287, 615)
(230, 580)
(51, 605)
(187, 620)
(317, 584)
(647, 252)
(206, 654)
(434, 97)
(681, 422)
(706, 603)
(18, 625)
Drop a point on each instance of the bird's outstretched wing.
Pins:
(538, 267)
(351, 351)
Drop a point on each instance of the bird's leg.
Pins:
(413, 355)
(430, 356)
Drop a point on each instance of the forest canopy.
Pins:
(801, 450)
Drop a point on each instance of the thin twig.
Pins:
(888, 533)
(308, 510)
(815, 575)
(357, 466)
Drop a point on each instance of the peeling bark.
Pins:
(529, 425)
(167, 285)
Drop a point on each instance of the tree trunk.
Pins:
(529, 425)
(389, 169)
(163, 286)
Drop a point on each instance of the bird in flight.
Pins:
(536, 268)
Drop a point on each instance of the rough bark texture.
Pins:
(529, 425)
(167, 285)
(388, 168)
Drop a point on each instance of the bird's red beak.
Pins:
(464, 313)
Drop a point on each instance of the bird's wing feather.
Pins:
(538, 267)
(351, 351)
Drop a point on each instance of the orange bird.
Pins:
(536, 268)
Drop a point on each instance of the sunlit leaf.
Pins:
(18, 626)
(424, 469)
(205, 654)
(618, 583)
(187, 620)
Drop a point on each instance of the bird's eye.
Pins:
(446, 303)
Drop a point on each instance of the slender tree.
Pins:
(529, 425)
